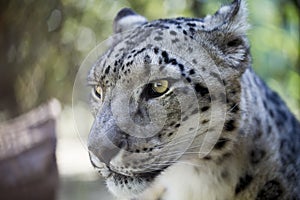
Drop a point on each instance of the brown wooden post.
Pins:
(28, 168)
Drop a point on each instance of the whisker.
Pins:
(229, 111)
(175, 143)
(155, 166)
(174, 154)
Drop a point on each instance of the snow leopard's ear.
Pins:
(127, 19)
(226, 29)
(229, 18)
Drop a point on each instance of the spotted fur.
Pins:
(218, 132)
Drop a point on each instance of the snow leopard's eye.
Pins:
(156, 89)
(160, 87)
(97, 92)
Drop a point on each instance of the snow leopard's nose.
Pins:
(102, 146)
(102, 154)
(99, 158)
(105, 139)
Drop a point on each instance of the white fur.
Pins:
(128, 22)
(181, 181)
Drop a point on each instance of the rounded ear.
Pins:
(127, 19)
(227, 30)
(230, 18)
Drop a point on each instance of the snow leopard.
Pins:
(180, 114)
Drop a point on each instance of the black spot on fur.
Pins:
(204, 121)
(207, 158)
(107, 69)
(147, 59)
(188, 79)
(160, 32)
(279, 123)
(138, 52)
(282, 114)
(194, 111)
(156, 50)
(223, 157)
(190, 50)
(200, 89)
(234, 43)
(149, 46)
(165, 55)
(271, 113)
(205, 108)
(269, 129)
(229, 125)
(283, 145)
(173, 61)
(271, 191)
(191, 24)
(172, 123)
(160, 60)
(173, 33)
(243, 183)
(257, 134)
(192, 30)
(175, 40)
(157, 38)
(265, 105)
(217, 76)
(185, 118)
(170, 134)
(181, 67)
(192, 71)
(257, 155)
(257, 121)
(221, 143)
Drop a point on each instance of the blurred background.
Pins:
(43, 43)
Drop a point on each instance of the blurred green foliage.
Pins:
(42, 44)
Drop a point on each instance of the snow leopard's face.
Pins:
(162, 92)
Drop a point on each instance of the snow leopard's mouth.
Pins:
(107, 172)
(148, 176)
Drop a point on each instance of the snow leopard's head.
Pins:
(166, 91)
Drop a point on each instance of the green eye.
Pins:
(98, 91)
(160, 86)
